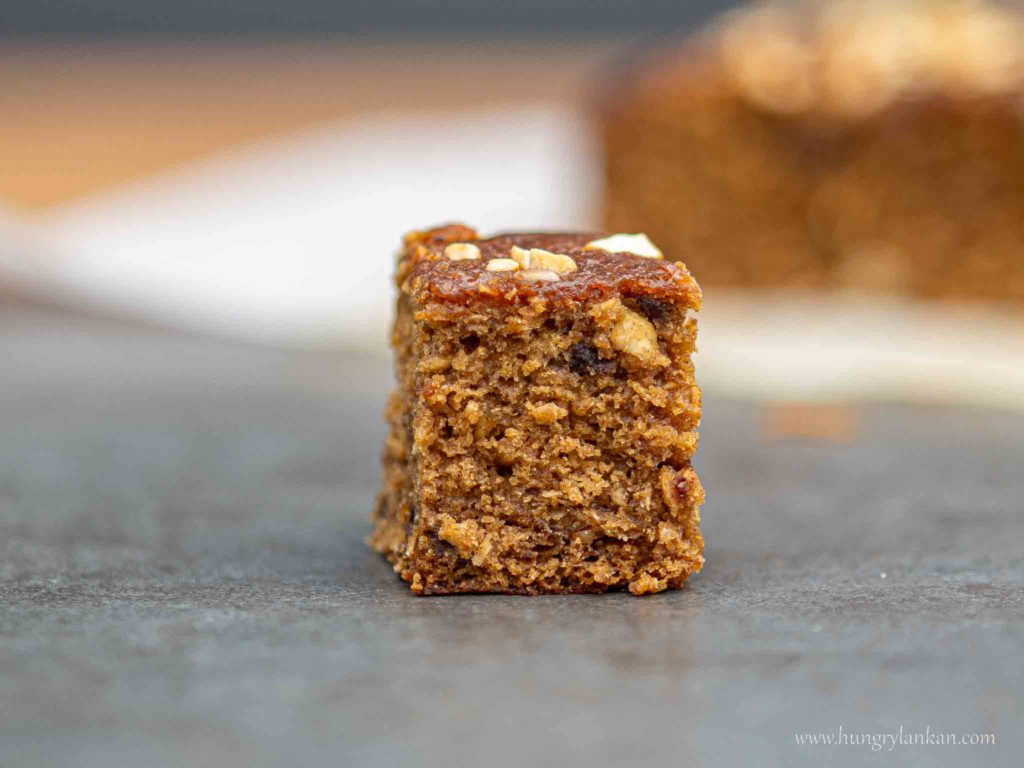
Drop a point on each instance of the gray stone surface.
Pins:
(183, 582)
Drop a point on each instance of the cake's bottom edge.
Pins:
(431, 583)
(438, 554)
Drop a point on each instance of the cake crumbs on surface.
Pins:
(834, 422)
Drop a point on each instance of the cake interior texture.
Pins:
(541, 433)
(865, 145)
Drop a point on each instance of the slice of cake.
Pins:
(870, 144)
(545, 416)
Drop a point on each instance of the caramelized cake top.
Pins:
(453, 264)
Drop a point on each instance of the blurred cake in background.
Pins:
(865, 144)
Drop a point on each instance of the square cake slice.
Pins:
(545, 416)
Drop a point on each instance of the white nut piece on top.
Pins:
(539, 275)
(538, 258)
(638, 245)
(462, 252)
(502, 265)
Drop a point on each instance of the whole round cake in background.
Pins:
(860, 144)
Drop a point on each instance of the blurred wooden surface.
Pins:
(83, 116)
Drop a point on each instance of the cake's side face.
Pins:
(875, 145)
(545, 418)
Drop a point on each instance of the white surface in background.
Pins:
(293, 243)
(848, 346)
(17, 244)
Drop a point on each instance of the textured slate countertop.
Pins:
(183, 582)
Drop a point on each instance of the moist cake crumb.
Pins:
(544, 419)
